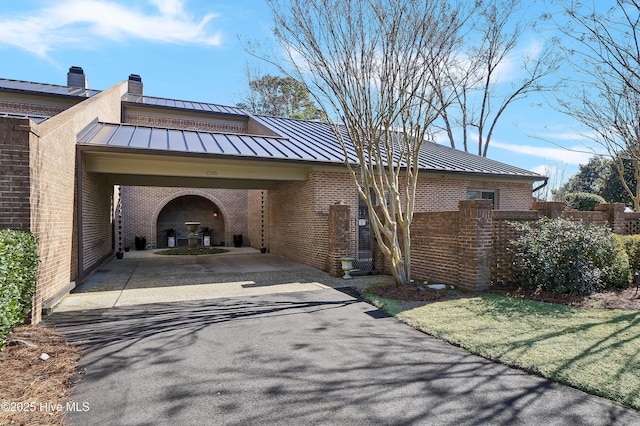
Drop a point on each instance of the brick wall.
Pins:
(434, 246)
(97, 225)
(15, 181)
(32, 108)
(52, 171)
(443, 192)
(502, 233)
(143, 213)
(188, 122)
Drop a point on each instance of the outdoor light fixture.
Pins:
(215, 214)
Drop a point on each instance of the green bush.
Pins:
(18, 267)
(569, 257)
(631, 244)
(583, 201)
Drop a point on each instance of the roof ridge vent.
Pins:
(135, 85)
(76, 78)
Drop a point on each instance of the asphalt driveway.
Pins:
(310, 357)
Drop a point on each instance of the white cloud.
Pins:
(77, 22)
(574, 155)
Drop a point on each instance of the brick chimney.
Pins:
(135, 85)
(76, 78)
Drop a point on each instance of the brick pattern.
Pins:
(145, 214)
(210, 125)
(296, 230)
(434, 246)
(15, 180)
(32, 108)
(442, 193)
(502, 232)
(192, 208)
(631, 225)
(97, 229)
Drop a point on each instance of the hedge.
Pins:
(583, 201)
(18, 268)
(631, 244)
(569, 257)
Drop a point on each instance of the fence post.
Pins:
(615, 215)
(339, 244)
(475, 244)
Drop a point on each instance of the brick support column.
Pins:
(550, 209)
(339, 244)
(615, 215)
(475, 244)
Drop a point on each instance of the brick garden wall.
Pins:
(468, 247)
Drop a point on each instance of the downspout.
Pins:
(546, 181)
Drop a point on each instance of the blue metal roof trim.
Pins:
(51, 89)
(183, 105)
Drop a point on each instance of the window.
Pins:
(374, 199)
(483, 194)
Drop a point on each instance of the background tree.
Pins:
(599, 176)
(604, 51)
(279, 96)
(612, 188)
(477, 91)
(375, 63)
(590, 178)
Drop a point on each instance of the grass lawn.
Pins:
(595, 350)
(191, 251)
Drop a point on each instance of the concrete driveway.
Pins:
(314, 356)
(145, 277)
(307, 357)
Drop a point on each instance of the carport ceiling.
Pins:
(137, 169)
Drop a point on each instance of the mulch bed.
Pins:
(34, 391)
(628, 299)
(407, 292)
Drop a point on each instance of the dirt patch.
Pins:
(408, 293)
(35, 391)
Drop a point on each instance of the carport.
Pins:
(113, 155)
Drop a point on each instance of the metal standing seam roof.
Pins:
(433, 157)
(300, 140)
(185, 105)
(50, 89)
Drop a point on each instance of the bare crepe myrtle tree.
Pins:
(602, 43)
(374, 64)
(476, 92)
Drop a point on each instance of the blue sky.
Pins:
(190, 49)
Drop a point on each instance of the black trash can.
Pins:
(237, 240)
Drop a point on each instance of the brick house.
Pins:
(89, 170)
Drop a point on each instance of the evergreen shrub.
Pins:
(569, 257)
